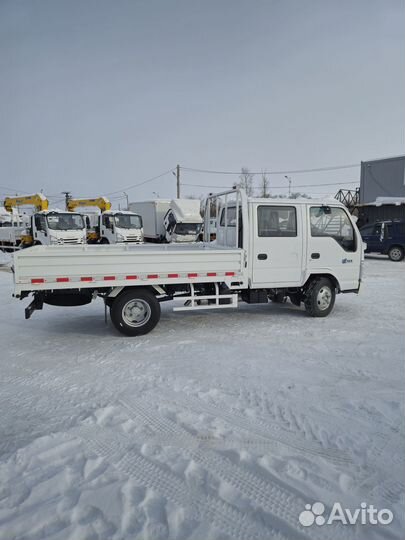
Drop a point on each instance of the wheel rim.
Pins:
(396, 254)
(136, 312)
(324, 298)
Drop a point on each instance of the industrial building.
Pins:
(382, 178)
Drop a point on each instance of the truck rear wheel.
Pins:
(320, 297)
(135, 312)
(396, 253)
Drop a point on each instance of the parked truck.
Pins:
(12, 226)
(44, 226)
(109, 226)
(303, 250)
(177, 220)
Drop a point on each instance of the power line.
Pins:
(279, 187)
(264, 171)
(141, 183)
(13, 190)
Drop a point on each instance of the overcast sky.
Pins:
(98, 95)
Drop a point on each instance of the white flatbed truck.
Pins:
(304, 250)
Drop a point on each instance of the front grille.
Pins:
(133, 239)
(71, 241)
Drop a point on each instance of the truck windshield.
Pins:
(128, 221)
(65, 222)
(188, 228)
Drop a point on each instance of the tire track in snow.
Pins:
(283, 506)
(271, 432)
(114, 446)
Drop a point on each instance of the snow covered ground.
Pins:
(217, 425)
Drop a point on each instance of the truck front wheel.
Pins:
(320, 297)
(135, 312)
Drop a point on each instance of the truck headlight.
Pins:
(120, 238)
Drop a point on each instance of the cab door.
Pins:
(40, 227)
(334, 245)
(277, 245)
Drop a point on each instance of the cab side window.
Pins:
(171, 220)
(276, 221)
(335, 223)
(40, 223)
(106, 221)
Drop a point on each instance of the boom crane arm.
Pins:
(38, 200)
(101, 202)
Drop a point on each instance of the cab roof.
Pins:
(292, 202)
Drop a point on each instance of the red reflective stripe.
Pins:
(62, 279)
(109, 278)
(211, 274)
(132, 277)
(229, 273)
(86, 279)
(192, 275)
(153, 276)
(173, 275)
(37, 280)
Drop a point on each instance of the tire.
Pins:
(104, 241)
(320, 297)
(396, 253)
(135, 312)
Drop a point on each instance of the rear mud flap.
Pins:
(37, 303)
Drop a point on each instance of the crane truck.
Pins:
(109, 226)
(44, 226)
(303, 250)
(177, 220)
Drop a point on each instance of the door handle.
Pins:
(262, 256)
(315, 255)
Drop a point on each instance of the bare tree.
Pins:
(264, 186)
(298, 195)
(246, 181)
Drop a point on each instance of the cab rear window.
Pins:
(276, 221)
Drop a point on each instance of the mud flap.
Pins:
(37, 303)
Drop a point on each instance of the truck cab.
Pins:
(12, 225)
(116, 227)
(183, 221)
(385, 237)
(54, 227)
(289, 241)
(167, 221)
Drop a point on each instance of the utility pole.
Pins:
(67, 195)
(126, 196)
(289, 185)
(178, 180)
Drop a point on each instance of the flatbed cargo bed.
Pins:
(95, 266)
